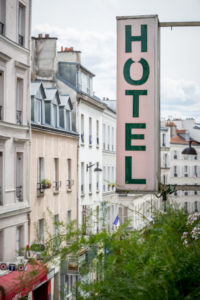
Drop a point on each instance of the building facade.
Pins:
(15, 19)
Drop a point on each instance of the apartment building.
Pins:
(110, 197)
(178, 168)
(54, 168)
(15, 19)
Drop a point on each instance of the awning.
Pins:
(22, 282)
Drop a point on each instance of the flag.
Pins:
(116, 222)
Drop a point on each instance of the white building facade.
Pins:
(15, 18)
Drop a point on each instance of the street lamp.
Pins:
(189, 150)
(97, 169)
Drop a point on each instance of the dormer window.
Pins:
(38, 111)
(68, 120)
(54, 115)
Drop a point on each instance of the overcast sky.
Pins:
(90, 26)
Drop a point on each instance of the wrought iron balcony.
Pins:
(56, 186)
(20, 40)
(69, 183)
(19, 193)
(2, 28)
(19, 117)
(1, 112)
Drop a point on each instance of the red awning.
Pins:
(22, 282)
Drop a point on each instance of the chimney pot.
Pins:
(46, 35)
(40, 35)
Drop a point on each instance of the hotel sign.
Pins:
(138, 104)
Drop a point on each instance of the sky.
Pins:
(90, 26)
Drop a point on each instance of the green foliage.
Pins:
(151, 264)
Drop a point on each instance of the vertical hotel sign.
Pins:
(138, 104)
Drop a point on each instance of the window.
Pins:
(90, 131)
(41, 230)
(90, 179)
(47, 113)
(165, 160)
(104, 179)
(2, 17)
(68, 120)
(56, 174)
(163, 140)
(61, 117)
(108, 179)
(195, 206)
(97, 219)
(40, 175)
(175, 154)
(19, 240)
(195, 172)
(1, 178)
(97, 132)
(54, 115)
(21, 24)
(97, 178)
(56, 230)
(1, 245)
(68, 175)
(82, 128)
(1, 93)
(175, 171)
(69, 216)
(82, 178)
(104, 137)
(164, 179)
(108, 138)
(38, 111)
(19, 176)
(186, 171)
(113, 139)
(186, 206)
(123, 214)
(19, 100)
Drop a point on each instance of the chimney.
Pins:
(40, 35)
(70, 49)
(61, 49)
(46, 36)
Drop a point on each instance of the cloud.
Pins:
(180, 98)
(98, 53)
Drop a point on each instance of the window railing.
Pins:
(2, 28)
(90, 140)
(69, 183)
(1, 112)
(19, 193)
(56, 185)
(19, 117)
(20, 40)
(82, 137)
(40, 188)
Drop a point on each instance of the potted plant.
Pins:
(46, 183)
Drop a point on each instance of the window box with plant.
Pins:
(46, 183)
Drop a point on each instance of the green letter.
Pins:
(130, 38)
(128, 173)
(130, 136)
(145, 74)
(135, 94)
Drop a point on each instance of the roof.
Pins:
(179, 140)
(66, 101)
(179, 131)
(35, 86)
(22, 282)
(170, 124)
(52, 93)
(110, 104)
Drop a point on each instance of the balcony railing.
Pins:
(19, 117)
(1, 112)
(21, 40)
(69, 183)
(2, 28)
(56, 185)
(19, 193)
